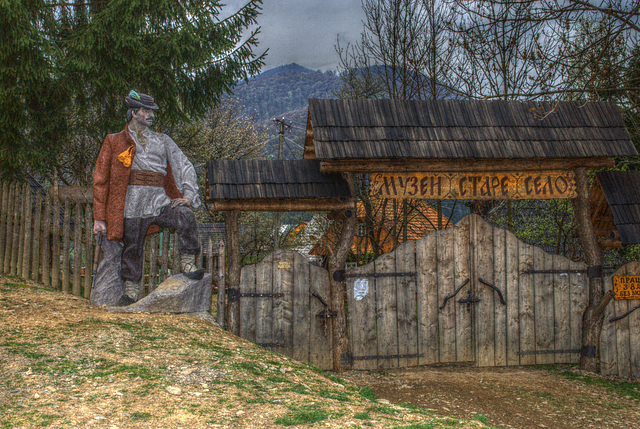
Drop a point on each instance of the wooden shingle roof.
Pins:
(463, 129)
(251, 184)
(622, 192)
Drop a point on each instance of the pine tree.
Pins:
(65, 67)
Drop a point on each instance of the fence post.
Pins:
(175, 263)
(66, 230)
(220, 308)
(16, 229)
(37, 229)
(26, 252)
(88, 249)
(231, 219)
(55, 254)
(153, 262)
(46, 241)
(210, 267)
(8, 245)
(23, 216)
(77, 249)
(3, 217)
(164, 270)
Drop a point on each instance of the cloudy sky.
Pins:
(305, 31)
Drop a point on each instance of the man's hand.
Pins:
(99, 226)
(181, 202)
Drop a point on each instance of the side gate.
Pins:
(620, 337)
(470, 293)
(282, 307)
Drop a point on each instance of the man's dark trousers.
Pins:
(180, 218)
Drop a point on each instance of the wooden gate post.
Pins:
(593, 315)
(337, 261)
(222, 266)
(232, 316)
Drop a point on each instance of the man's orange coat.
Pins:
(110, 181)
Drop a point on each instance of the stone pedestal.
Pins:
(108, 287)
(177, 294)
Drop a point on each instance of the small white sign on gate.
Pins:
(360, 288)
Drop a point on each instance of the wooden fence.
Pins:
(47, 237)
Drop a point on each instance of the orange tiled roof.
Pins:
(422, 219)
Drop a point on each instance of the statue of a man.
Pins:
(143, 181)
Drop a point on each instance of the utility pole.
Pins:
(282, 124)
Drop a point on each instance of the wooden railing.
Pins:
(48, 237)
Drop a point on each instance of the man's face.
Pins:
(144, 116)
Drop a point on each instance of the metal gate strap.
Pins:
(554, 272)
(386, 356)
(261, 295)
(270, 345)
(407, 274)
(613, 319)
(453, 294)
(541, 352)
(494, 288)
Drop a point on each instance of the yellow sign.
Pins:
(626, 287)
(284, 265)
(474, 186)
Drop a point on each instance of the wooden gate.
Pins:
(470, 293)
(287, 319)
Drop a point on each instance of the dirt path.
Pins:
(510, 397)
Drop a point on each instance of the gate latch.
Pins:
(326, 313)
(469, 300)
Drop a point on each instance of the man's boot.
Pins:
(131, 290)
(189, 268)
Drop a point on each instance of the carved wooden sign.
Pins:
(626, 287)
(474, 186)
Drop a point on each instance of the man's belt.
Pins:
(146, 178)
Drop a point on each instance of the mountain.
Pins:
(283, 92)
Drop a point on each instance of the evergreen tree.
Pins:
(65, 67)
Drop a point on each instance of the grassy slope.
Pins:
(64, 363)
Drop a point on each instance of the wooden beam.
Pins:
(460, 165)
(283, 205)
(234, 267)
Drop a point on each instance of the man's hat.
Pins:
(135, 100)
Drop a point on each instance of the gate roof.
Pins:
(275, 185)
(392, 135)
(621, 190)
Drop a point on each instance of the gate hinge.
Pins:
(326, 314)
(544, 352)
(270, 345)
(372, 357)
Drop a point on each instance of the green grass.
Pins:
(367, 393)
(298, 388)
(24, 349)
(217, 350)
(332, 394)
(305, 414)
(382, 409)
(420, 426)
(249, 367)
(362, 416)
(481, 418)
(140, 416)
(622, 388)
